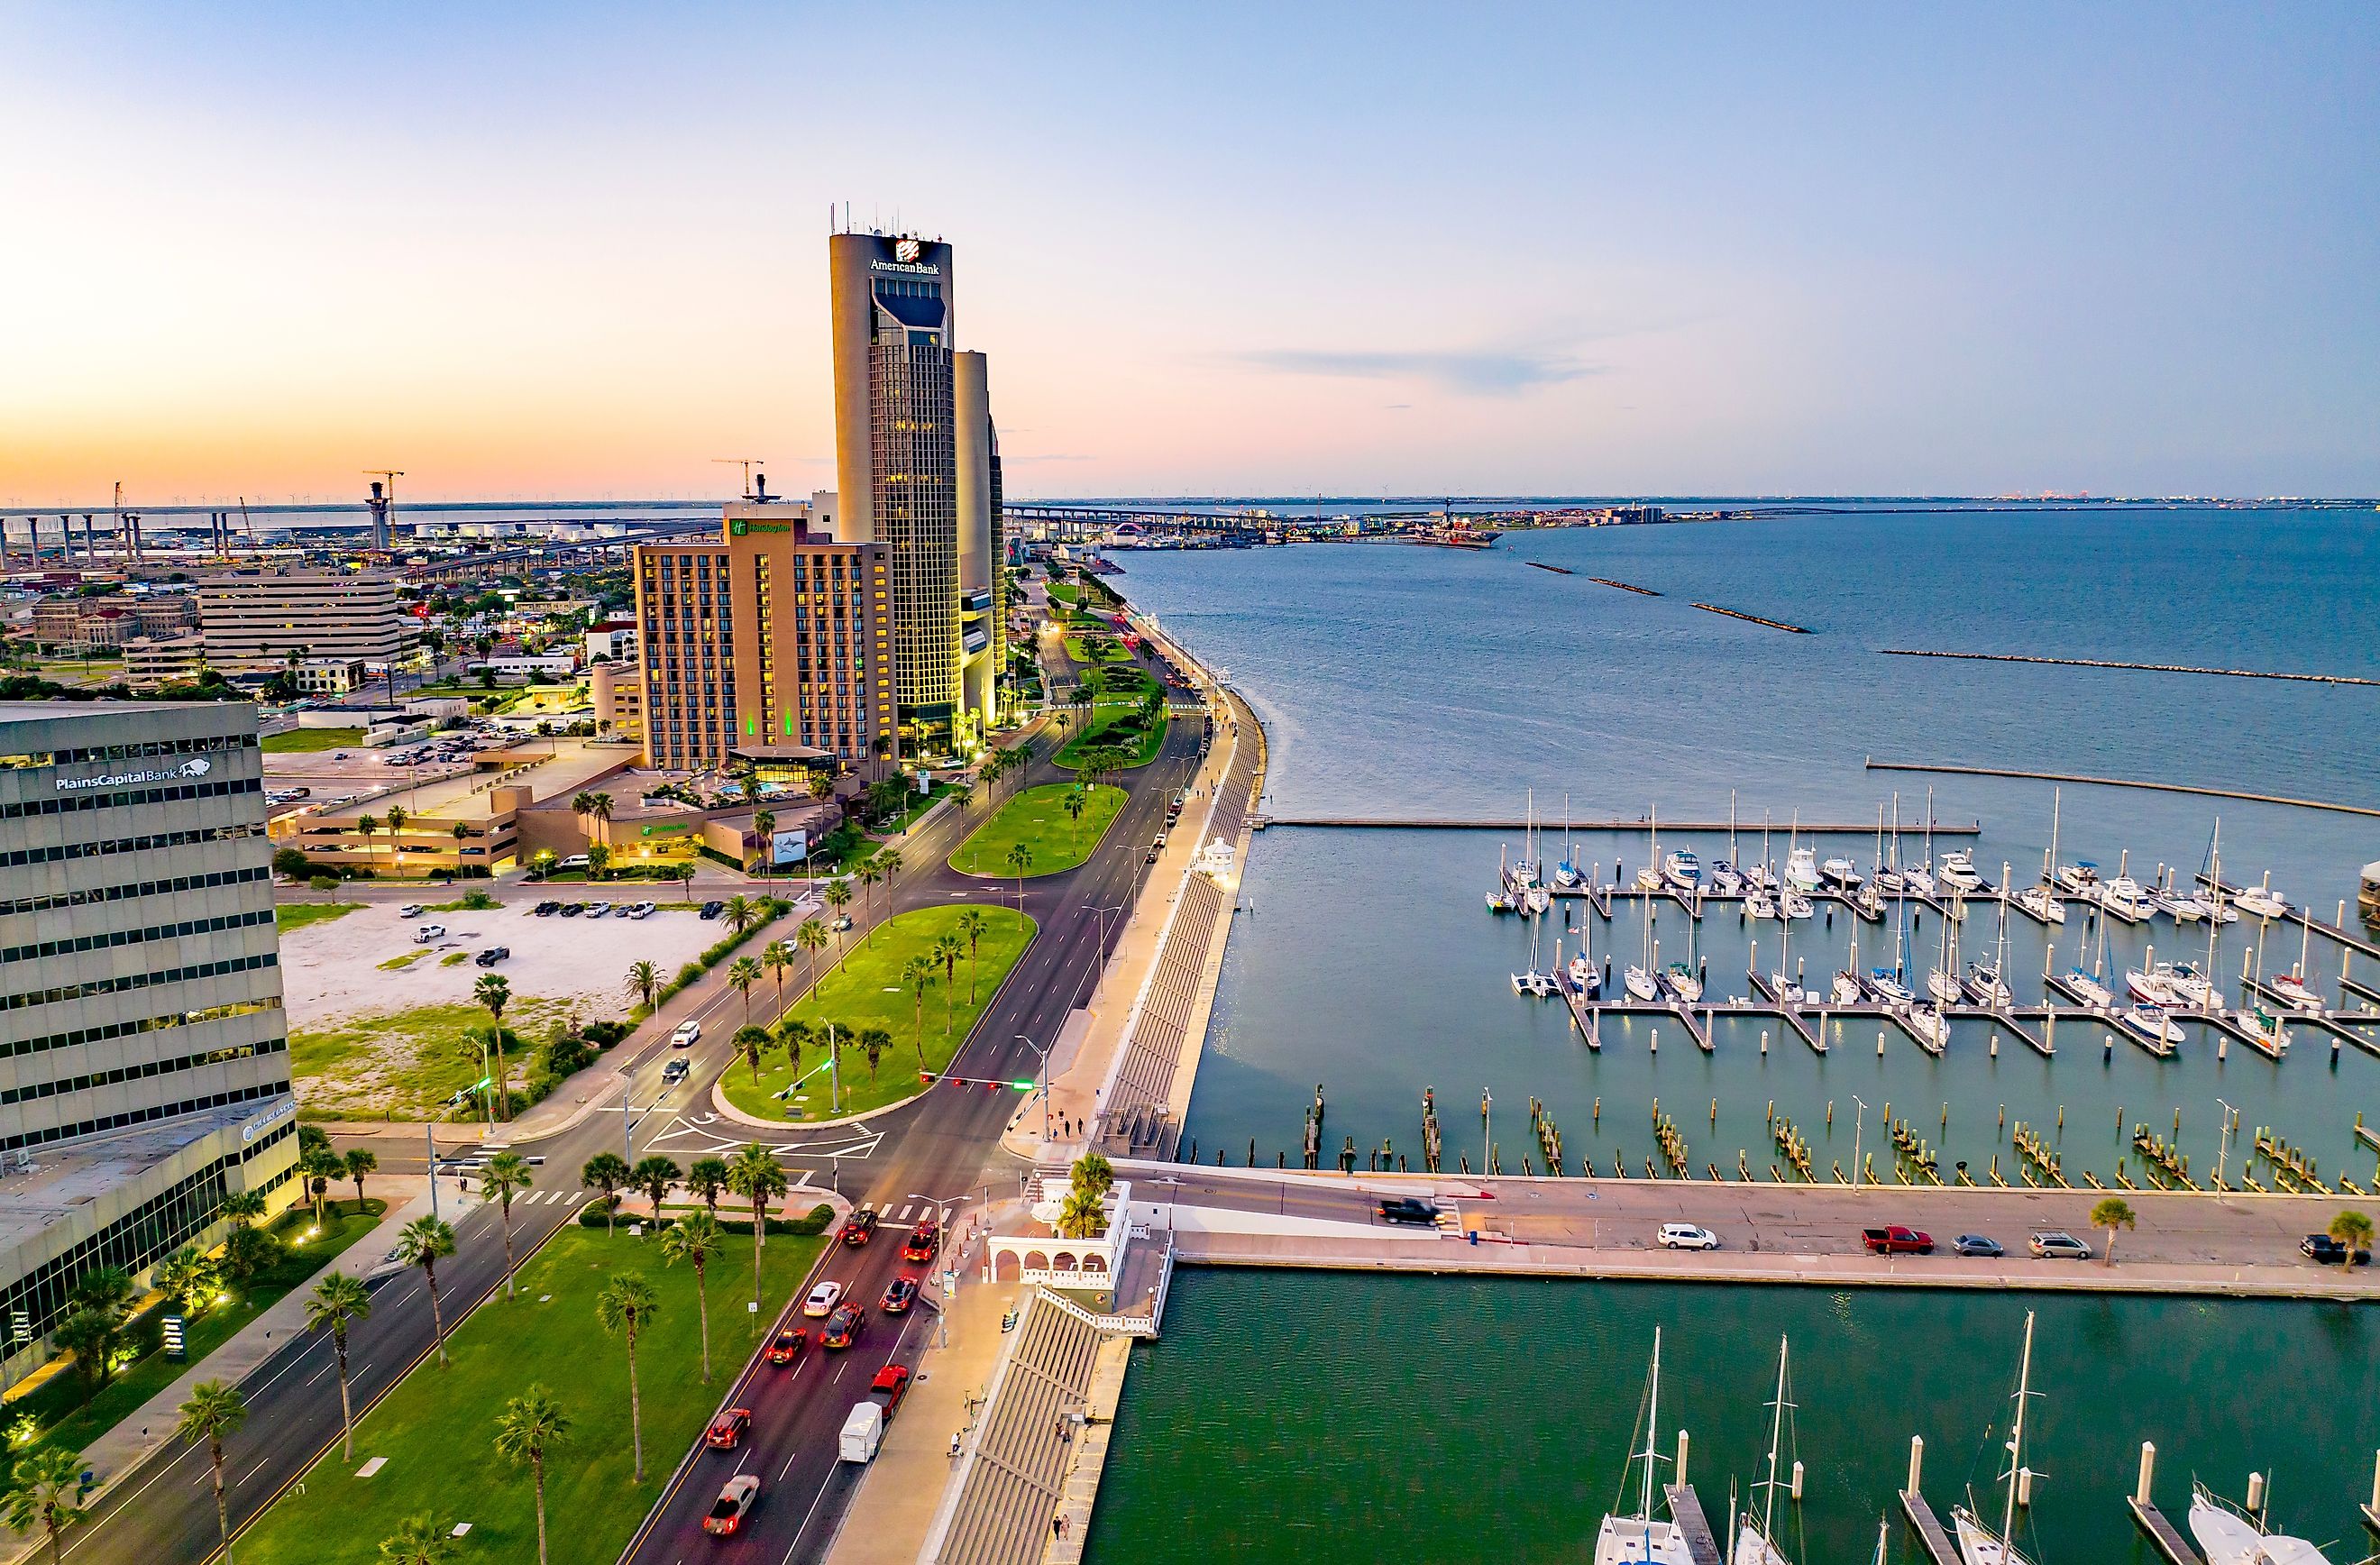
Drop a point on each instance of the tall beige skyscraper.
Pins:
(917, 466)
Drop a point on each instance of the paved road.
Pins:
(939, 1146)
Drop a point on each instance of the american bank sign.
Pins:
(189, 768)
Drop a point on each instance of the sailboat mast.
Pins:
(1775, 1431)
(2016, 1435)
(1652, 1431)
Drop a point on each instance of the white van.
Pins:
(863, 1432)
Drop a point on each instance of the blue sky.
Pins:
(1741, 249)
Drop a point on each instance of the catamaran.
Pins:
(1978, 1544)
(1644, 1539)
(1756, 1542)
(2229, 1538)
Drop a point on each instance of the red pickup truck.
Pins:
(1896, 1240)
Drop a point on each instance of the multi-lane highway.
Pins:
(940, 1146)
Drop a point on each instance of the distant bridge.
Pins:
(1083, 521)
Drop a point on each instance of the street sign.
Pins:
(176, 1348)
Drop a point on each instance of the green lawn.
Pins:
(1064, 592)
(405, 1065)
(437, 1428)
(299, 741)
(1106, 713)
(866, 991)
(1088, 650)
(133, 1386)
(1037, 817)
(291, 916)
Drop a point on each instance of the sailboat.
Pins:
(1988, 984)
(1845, 991)
(1978, 1544)
(1888, 876)
(1533, 981)
(1639, 978)
(2043, 901)
(2086, 985)
(1644, 1539)
(2228, 1537)
(1649, 877)
(1756, 1542)
(1566, 874)
(1583, 976)
(1943, 982)
(2293, 986)
(1919, 877)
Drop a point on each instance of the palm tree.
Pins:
(1020, 859)
(606, 1172)
(755, 1174)
(965, 795)
(696, 1239)
(705, 1178)
(186, 1277)
(2110, 1215)
(752, 1043)
(45, 1486)
(644, 982)
(582, 804)
(873, 1042)
(685, 879)
(462, 833)
(425, 1539)
(869, 875)
(424, 1242)
(653, 1176)
(917, 976)
(742, 974)
(947, 951)
(794, 1035)
(337, 1303)
(1074, 800)
(213, 1410)
(358, 1162)
(367, 824)
(776, 956)
(319, 1166)
(764, 826)
(890, 863)
(530, 1425)
(242, 1206)
(972, 926)
(2352, 1228)
(838, 896)
(1083, 1216)
(739, 914)
(396, 820)
(1093, 1172)
(505, 1176)
(811, 938)
(626, 1306)
(493, 992)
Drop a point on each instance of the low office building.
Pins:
(775, 635)
(254, 623)
(617, 690)
(144, 1064)
(150, 660)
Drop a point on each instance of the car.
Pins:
(1976, 1244)
(842, 1328)
(2325, 1250)
(1896, 1240)
(410, 910)
(689, 1033)
(596, 909)
(728, 1428)
(1153, 851)
(1160, 843)
(493, 955)
(892, 1383)
(428, 932)
(573, 909)
(734, 1502)
(822, 1300)
(642, 910)
(788, 1345)
(713, 909)
(1687, 1236)
(675, 1071)
(576, 861)
(546, 909)
(338, 755)
(2058, 1245)
(859, 1228)
(842, 922)
(1408, 1209)
(922, 1242)
(899, 1294)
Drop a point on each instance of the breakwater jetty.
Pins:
(1755, 619)
(2143, 668)
(1623, 586)
(1875, 765)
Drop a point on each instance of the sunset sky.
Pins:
(578, 251)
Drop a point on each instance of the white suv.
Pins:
(1686, 1236)
(688, 1032)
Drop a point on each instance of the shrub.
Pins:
(325, 883)
(688, 972)
(291, 863)
(604, 1035)
(567, 1055)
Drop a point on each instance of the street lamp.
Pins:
(950, 1269)
(1101, 915)
(1042, 1071)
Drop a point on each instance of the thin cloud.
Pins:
(1481, 372)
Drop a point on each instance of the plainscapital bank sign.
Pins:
(122, 779)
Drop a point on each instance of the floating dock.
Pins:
(2169, 1542)
(1940, 1550)
(1686, 1511)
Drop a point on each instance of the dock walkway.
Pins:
(1686, 1511)
(1940, 1550)
(2170, 1542)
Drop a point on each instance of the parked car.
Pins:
(1896, 1240)
(822, 1300)
(1976, 1244)
(788, 1345)
(596, 909)
(410, 910)
(1154, 850)
(859, 1227)
(2059, 1245)
(892, 1383)
(576, 861)
(842, 1328)
(573, 909)
(642, 910)
(713, 909)
(494, 955)
(546, 909)
(734, 1502)
(1687, 1236)
(728, 1428)
(2323, 1248)
(1408, 1209)
(689, 1033)
(429, 932)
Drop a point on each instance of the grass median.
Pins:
(1037, 820)
(1096, 650)
(437, 1428)
(1115, 722)
(868, 990)
(289, 915)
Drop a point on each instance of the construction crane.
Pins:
(748, 463)
(381, 503)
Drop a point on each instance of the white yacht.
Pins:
(2263, 900)
(2081, 879)
(2150, 1023)
(1842, 874)
(2179, 906)
(2171, 984)
(1644, 1539)
(1682, 871)
(2123, 897)
(2229, 1538)
(2089, 989)
(1760, 877)
(2043, 903)
(1757, 906)
(1802, 869)
(1724, 878)
(1959, 872)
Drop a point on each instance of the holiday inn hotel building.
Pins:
(144, 1064)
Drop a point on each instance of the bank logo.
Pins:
(197, 768)
(906, 249)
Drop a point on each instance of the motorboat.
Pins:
(1584, 978)
(2264, 1027)
(1643, 1538)
(2151, 986)
(2088, 989)
(1931, 1030)
(2080, 878)
(1986, 987)
(1760, 877)
(1802, 869)
(1680, 980)
(1842, 874)
(1959, 872)
(1795, 905)
(2043, 903)
(1845, 991)
(1682, 871)
(2150, 1023)
(1757, 906)
(1886, 988)
(2179, 907)
(2226, 1537)
(2262, 901)
(1724, 878)
(2295, 991)
(2173, 985)
(2123, 897)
